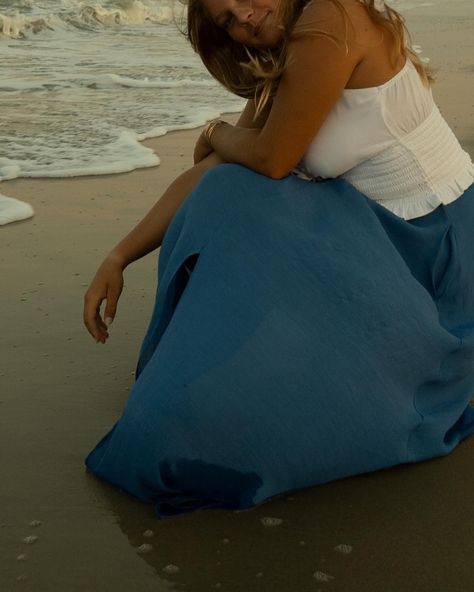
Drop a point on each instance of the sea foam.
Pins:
(13, 210)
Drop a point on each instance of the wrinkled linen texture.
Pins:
(301, 333)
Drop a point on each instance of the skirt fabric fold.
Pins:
(301, 333)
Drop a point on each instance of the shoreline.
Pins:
(452, 70)
(409, 527)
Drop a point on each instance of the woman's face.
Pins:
(250, 22)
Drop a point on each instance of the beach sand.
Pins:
(406, 529)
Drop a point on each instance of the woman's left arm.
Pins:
(319, 66)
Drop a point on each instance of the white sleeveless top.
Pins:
(393, 145)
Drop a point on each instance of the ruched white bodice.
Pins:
(392, 143)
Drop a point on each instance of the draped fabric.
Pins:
(301, 333)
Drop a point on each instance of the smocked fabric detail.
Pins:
(410, 178)
(392, 143)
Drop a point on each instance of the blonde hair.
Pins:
(253, 73)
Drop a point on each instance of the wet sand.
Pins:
(405, 529)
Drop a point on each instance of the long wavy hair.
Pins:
(254, 73)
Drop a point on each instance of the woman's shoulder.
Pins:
(347, 5)
(354, 36)
(345, 21)
(333, 10)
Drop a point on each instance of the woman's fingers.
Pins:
(92, 318)
(107, 285)
(113, 294)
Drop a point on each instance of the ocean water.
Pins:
(82, 83)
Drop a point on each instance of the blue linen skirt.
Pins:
(301, 333)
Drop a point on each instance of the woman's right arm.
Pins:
(145, 237)
(149, 232)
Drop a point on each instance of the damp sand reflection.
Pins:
(339, 537)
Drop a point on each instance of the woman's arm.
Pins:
(320, 64)
(149, 232)
(144, 238)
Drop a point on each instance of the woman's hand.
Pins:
(106, 285)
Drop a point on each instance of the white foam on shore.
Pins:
(57, 156)
(108, 80)
(122, 155)
(13, 210)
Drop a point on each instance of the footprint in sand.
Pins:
(344, 549)
(148, 534)
(321, 576)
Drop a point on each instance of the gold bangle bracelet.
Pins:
(211, 127)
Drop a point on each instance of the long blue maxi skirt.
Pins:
(301, 333)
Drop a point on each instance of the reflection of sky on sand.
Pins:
(389, 530)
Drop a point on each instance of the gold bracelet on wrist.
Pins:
(211, 127)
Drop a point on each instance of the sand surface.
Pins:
(409, 529)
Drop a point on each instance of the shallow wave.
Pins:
(22, 20)
(128, 13)
(20, 26)
(107, 80)
(101, 82)
(116, 151)
(20, 86)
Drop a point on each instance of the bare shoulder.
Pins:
(329, 8)
(348, 18)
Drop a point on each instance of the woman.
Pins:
(302, 331)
